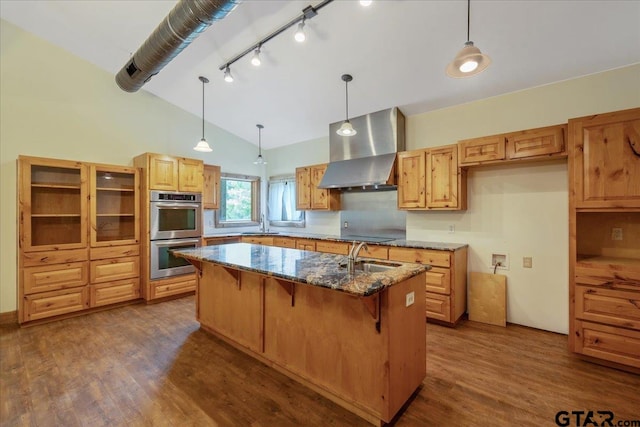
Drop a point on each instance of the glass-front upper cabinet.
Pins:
(52, 203)
(115, 205)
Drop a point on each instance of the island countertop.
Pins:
(313, 268)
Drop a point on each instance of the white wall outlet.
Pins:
(616, 234)
(452, 229)
(527, 262)
(410, 298)
(500, 261)
(346, 224)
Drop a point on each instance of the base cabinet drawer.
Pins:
(47, 304)
(608, 342)
(374, 251)
(438, 307)
(258, 240)
(163, 288)
(54, 277)
(111, 293)
(439, 280)
(613, 307)
(284, 242)
(109, 270)
(421, 256)
(333, 247)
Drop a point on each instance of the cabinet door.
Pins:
(190, 175)
(412, 180)
(438, 307)
(211, 187)
(488, 148)
(303, 189)
(115, 205)
(536, 142)
(163, 172)
(443, 178)
(604, 153)
(52, 204)
(319, 196)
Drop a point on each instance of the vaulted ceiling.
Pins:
(396, 50)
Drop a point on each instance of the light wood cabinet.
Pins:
(445, 283)
(446, 183)
(527, 145)
(306, 244)
(173, 173)
(258, 240)
(71, 214)
(431, 179)
(52, 199)
(309, 196)
(339, 248)
(114, 205)
(284, 242)
(220, 240)
(412, 179)
(604, 236)
(605, 160)
(115, 292)
(211, 187)
(484, 149)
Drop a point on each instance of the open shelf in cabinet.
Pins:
(55, 229)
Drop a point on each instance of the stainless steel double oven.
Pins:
(175, 223)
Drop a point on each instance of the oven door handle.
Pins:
(174, 242)
(176, 205)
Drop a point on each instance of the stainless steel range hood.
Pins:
(366, 161)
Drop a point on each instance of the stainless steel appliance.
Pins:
(175, 223)
(175, 215)
(164, 264)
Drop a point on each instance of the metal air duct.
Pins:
(186, 21)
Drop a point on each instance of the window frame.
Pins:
(296, 224)
(255, 201)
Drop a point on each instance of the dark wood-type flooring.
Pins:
(151, 365)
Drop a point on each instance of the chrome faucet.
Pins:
(353, 255)
(262, 224)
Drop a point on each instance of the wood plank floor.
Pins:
(151, 366)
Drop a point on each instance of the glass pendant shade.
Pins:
(203, 146)
(468, 62)
(346, 129)
(260, 160)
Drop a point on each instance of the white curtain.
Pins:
(282, 201)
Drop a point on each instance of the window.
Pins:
(239, 201)
(281, 205)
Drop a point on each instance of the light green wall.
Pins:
(53, 104)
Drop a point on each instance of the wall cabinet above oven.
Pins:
(76, 218)
(173, 173)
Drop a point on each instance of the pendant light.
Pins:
(203, 146)
(260, 160)
(346, 129)
(469, 61)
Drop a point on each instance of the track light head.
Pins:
(255, 59)
(300, 36)
(227, 75)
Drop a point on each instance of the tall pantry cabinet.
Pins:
(604, 231)
(78, 236)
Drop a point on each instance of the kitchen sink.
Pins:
(373, 266)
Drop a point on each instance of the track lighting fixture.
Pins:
(469, 61)
(260, 160)
(203, 145)
(307, 13)
(255, 59)
(346, 129)
(227, 75)
(300, 36)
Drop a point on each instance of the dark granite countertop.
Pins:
(401, 243)
(313, 268)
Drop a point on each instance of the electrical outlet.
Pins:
(410, 298)
(346, 224)
(616, 234)
(527, 262)
(452, 229)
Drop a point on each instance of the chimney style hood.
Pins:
(366, 161)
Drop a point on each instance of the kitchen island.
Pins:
(356, 337)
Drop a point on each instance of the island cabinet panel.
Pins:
(375, 372)
(240, 317)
